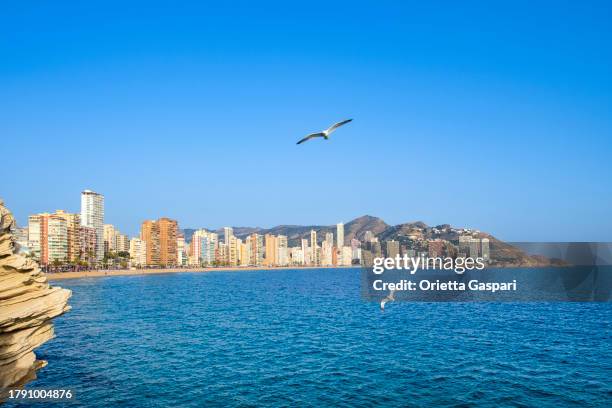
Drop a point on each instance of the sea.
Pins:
(307, 338)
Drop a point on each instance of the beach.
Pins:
(130, 272)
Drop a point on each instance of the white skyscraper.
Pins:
(228, 232)
(340, 235)
(92, 215)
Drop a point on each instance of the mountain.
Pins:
(358, 227)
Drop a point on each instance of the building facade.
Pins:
(92, 215)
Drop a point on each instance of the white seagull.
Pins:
(325, 134)
(390, 298)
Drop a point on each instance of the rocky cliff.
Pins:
(27, 305)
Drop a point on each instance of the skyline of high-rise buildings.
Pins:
(66, 238)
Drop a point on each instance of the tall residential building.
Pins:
(486, 254)
(327, 250)
(296, 255)
(464, 245)
(305, 253)
(327, 257)
(232, 251)
(209, 243)
(313, 248)
(339, 243)
(347, 253)
(122, 242)
(376, 249)
(73, 226)
(355, 249)
(255, 241)
(181, 252)
(149, 233)
(221, 254)
(110, 238)
(35, 235)
(92, 215)
(196, 247)
(168, 232)
(48, 237)
(229, 250)
(283, 250)
(138, 252)
(271, 255)
(57, 239)
(474, 247)
(329, 238)
(228, 232)
(87, 244)
(245, 253)
(393, 248)
(340, 235)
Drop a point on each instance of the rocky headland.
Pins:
(27, 305)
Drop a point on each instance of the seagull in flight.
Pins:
(325, 134)
(390, 298)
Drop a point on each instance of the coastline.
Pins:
(136, 272)
(100, 273)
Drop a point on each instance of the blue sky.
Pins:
(495, 117)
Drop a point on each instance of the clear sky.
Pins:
(495, 117)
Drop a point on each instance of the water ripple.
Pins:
(305, 338)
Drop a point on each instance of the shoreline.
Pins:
(136, 272)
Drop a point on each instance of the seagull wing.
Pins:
(310, 136)
(337, 125)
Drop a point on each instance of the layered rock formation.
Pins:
(27, 305)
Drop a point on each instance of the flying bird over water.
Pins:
(325, 134)
(390, 298)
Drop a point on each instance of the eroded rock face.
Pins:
(27, 305)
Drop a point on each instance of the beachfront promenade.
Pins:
(131, 272)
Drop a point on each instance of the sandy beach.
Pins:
(130, 272)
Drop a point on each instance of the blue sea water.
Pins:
(307, 338)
